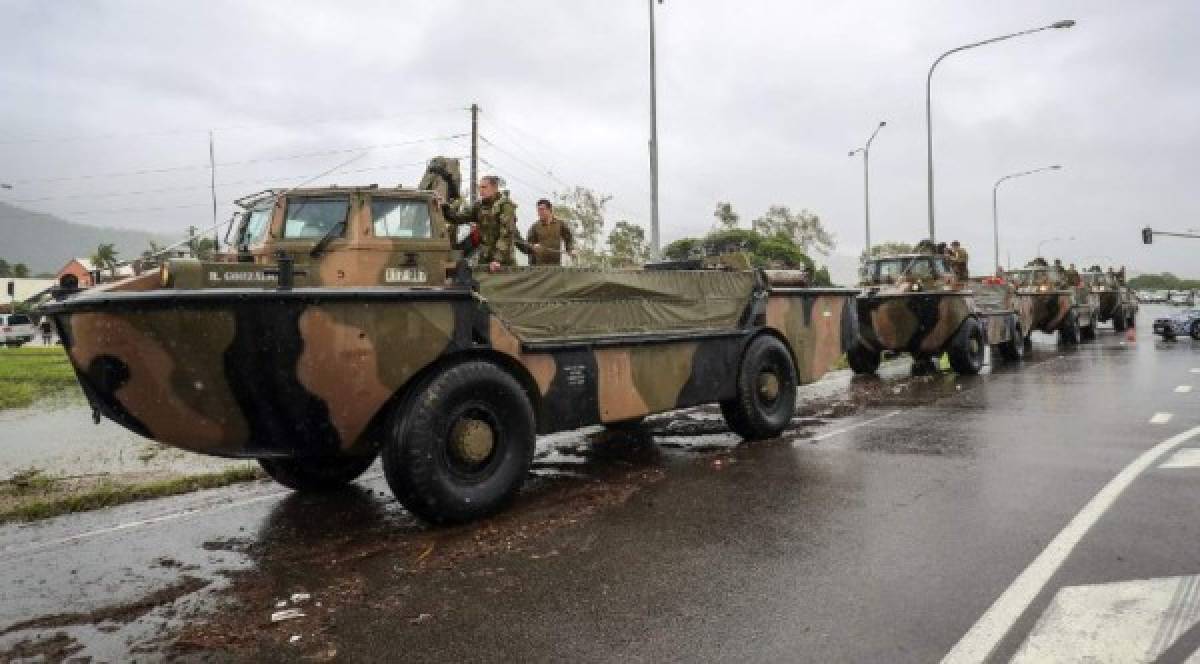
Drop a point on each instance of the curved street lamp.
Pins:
(928, 106)
(995, 214)
(1051, 239)
(866, 153)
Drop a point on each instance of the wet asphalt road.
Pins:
(881, 528)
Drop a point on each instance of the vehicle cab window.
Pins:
(258, 220)
(314, 218)
(400, 218)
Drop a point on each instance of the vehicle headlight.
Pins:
(915, 287)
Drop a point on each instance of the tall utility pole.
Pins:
(654, 243)
(212, 184)
(866, 153)
(474, 153)
(1057, 25)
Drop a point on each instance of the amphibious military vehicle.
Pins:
(1053, 304)
(1112, 301)
(343, 328)
(914, 303)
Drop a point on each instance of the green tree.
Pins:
(627, 245)
(727, 219)
(682, 249)
(821, 277)
(20, 270)
(5, 268)
(105, 257)
(889, 249)
(583, 210)
(803, 228)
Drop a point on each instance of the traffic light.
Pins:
(1147, 236)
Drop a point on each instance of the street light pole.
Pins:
(866, 153)
(995, 213)
(654, 241)
(1052, 239)
(929, 107)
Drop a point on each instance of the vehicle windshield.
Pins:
(255, 229)
(18, 319)
(313, 218)
(1031, 278)
(398, 217)
(891, 270)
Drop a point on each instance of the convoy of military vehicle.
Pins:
(348, 323)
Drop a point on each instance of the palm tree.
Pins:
(105, 257)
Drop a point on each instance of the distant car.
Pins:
(16, 329)
(1183, 323)
(1181, 299)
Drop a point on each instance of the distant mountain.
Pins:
(45, 242)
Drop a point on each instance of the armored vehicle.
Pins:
(1113, 301)
(343, 329)
(914, 303)
(1053, 304)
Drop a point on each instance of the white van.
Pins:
(15, 329)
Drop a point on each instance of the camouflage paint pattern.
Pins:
(215, 357)
(268, 374)
(818, 329)
(918, 322)
(1047, 310)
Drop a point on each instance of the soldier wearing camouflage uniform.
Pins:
(495, 215)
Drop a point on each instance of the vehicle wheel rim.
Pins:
(472, 442)
(768, 387)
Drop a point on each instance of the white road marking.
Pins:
(1127, 621)
(1188, 457)
(1195, 370)
(1183, 389)
(977, 644)
(838, 432)
(1161, 418)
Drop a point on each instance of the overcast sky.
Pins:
(106, 106)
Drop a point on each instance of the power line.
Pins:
(184, 132)
(308, 177)
(192, 167)
(231, 183)
(524, 163)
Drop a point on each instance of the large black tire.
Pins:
(316, 474)
(967, 348)
(1088, 333)
(1068, 332)
(460, 447)
(766, 391)
(1119, 321)
(1013, 350)
(1194, 330)
(863, 360)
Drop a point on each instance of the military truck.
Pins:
(1052, 304)
(342, 328)
(914, 303)
(1112, 301)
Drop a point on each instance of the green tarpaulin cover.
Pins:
(564, 303)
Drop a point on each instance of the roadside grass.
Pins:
(32, 495)
(30, 373)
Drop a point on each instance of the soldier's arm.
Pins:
(459, 216)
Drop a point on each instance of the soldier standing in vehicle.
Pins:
(1073, 277)
(549, 237)
(495, 215)
(958, 260)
